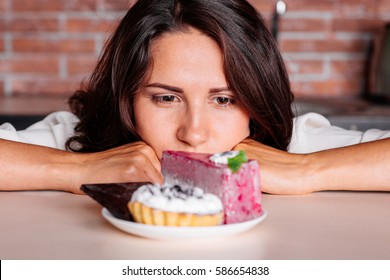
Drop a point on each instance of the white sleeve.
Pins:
(313, 132)
(53, 131)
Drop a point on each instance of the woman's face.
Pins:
(185, 103)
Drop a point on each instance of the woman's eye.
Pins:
(223, 101)
(164, 99)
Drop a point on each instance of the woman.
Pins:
(201, 76)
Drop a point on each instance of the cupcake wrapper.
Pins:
(147, 215)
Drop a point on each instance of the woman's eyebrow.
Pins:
(180, 90)
(216, 90)
(167, 87)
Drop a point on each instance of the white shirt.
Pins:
(52, 131)
(312, 132)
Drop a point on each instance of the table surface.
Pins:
(324, 225)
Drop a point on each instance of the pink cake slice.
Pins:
(239, 191)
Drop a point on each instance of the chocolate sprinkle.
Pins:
(181, 192)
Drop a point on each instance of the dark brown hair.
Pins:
(253, 66)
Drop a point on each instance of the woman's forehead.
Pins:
(186, 53)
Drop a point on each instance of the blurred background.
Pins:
(331, 48)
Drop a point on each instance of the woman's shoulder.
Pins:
(52, 131)
(313, 132)
(56, 118)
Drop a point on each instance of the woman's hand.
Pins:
(280, 172)
(135, 162)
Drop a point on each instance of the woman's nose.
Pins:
(194, 127)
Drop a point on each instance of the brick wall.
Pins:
(49, 46)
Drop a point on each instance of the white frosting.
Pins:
(177, 199)
(222, 158)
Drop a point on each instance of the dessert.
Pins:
(230, 176)
(175, 205)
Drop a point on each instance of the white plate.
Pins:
(162, 232)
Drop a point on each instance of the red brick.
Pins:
(263, 6)
(28, 24)
(1, 45)
(305, 66)
(1, 88)
(383, 9)
(77, 5)
(321, 46)
(348, 68)
(3, 25)
(90, 25)
(36, 23)
(54, 5)
(306, 25)
(53, 46)
(81, 65)
(37, 5)
(356, 25)
(3, 6)
(45, 87)
(118, 5)
(31, 64)
(356, 9)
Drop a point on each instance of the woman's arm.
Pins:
(32, 167)
(362, 167)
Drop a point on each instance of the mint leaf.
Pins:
(234, 163)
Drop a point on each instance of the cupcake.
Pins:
(175, 205)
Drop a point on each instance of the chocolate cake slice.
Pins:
(113, 196)
(230, 176)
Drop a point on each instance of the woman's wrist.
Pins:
(65, 172)
(300, 174)
(313, 173)
(329, 170)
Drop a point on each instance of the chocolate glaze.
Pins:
(113, 196)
